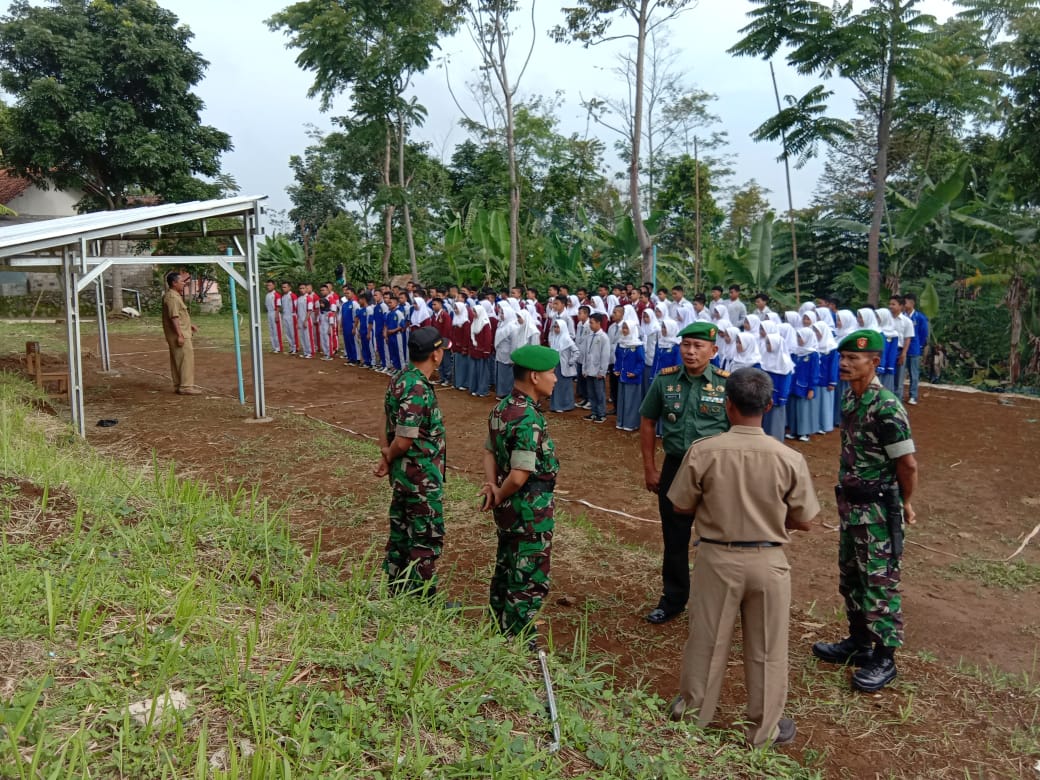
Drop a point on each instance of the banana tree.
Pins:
(752, 266)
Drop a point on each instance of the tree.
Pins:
(875, 50)
(748, 206)
(315, 195)
(589, 21)
(103, 102)
(373, 49)
(686, 200)
(489, 28)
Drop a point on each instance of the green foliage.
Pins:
(103, 99)
(280, 257)
(340, 241)
(677, 200)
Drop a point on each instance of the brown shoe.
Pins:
(189, 391)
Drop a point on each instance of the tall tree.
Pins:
(875, 50)
(591, 21)
(373, 49)
(103, 101)
(491, 32)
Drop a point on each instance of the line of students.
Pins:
(611, 344)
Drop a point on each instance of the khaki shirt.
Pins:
(689, 407)
(174, 307)
(744, 486)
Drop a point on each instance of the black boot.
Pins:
(848, 650)
(878, 673)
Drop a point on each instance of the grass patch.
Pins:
(123, 583)
(1010, 575)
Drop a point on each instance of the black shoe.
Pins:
(659, 615)
(600, 419)
(589, 417)
(875, 675)
(844, 652)
(677, 708)
(786, 732)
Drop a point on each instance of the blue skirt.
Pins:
(775, 421)
(630, 396)
(824, 409)
(480, 370)
(462, 371)
(648, 378)
(503, 379)
(562, 398)
(804, 416)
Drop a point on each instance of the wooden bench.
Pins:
(34, 365)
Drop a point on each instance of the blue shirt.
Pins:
(920, 333)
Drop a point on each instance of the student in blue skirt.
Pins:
(560, 339)
(889, 358)
(650, 331)
(776, 362)
(806, 369)
(828, 385)
(629, 358)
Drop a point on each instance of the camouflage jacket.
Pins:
(875, 433)
(517, 437)
(412, 411)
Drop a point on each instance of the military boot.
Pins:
(879, 672)
(848, 650)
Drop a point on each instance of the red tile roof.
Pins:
(11, 186)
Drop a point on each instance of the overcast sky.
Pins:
(254, 91)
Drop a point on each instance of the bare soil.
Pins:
(978, 497)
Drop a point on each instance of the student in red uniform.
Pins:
(442, 322)
(482, 347)
(460, 344)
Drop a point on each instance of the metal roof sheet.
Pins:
(50, 233)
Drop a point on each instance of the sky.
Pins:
(254, 91)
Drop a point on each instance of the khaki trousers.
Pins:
(182, 363)
(754, 583)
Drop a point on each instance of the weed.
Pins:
(1012, 575)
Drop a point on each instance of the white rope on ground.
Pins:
(1025, 541)
(604, 509)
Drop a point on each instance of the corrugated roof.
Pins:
(50, 233)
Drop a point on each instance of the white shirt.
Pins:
(684, 313)
(905, 329)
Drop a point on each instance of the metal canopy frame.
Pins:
(23, 247)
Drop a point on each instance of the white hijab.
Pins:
(598, 307)
(560, 337)
(775, 357)
(420, 312)
(507, 325)
(669, 333)
(806, 342)
(634, 338)
(870, 320)
(825, 338)
(527, 333)
(461, 316)
(745, 351)
(846, 323)
(790, 337)
(572, 306)
(793, 318)
(752, 323)
(480, 321)
(886, 323)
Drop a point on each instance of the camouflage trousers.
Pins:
(521, 579)
(416, 538)
(869, 581)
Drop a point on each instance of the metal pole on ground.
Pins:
(238, 339)
(72, 335)
(102, 319)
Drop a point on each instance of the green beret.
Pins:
(865, 340)
(704, 331)
(535, 358)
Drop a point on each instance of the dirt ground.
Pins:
(978, 497)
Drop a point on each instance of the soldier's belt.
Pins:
(865, 494)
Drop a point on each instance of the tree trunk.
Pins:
(388, 214)
(514, 186)
(409, 238)
(697, 201)
(790, 198)
(1015, 299)
(881, 162)
(645, 247)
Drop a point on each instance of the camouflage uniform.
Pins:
(517, 438)
(875, 432)
(417, 480)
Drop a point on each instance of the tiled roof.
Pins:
(11, 186)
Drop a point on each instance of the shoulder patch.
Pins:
(670, 370)
(719, 372)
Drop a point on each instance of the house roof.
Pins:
(32, 237)
(11, 186)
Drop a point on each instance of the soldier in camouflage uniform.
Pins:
(520, 468)
(876, 478)
(413, 454)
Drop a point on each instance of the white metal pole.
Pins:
(72, 333)
(256, 336)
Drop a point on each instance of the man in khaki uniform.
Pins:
(747, 490)
(177, 328)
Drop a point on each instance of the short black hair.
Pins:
(733, 287)
(896, 297)
(717, 287)
(762, 297)
(750, 390)
(520, 373)
(562, 299)
(171, 277)
(699, 298)
(585, 309)
(678, 287)
(910, 297)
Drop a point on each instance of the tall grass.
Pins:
(122, 582)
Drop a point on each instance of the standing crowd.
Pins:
(721, 385)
